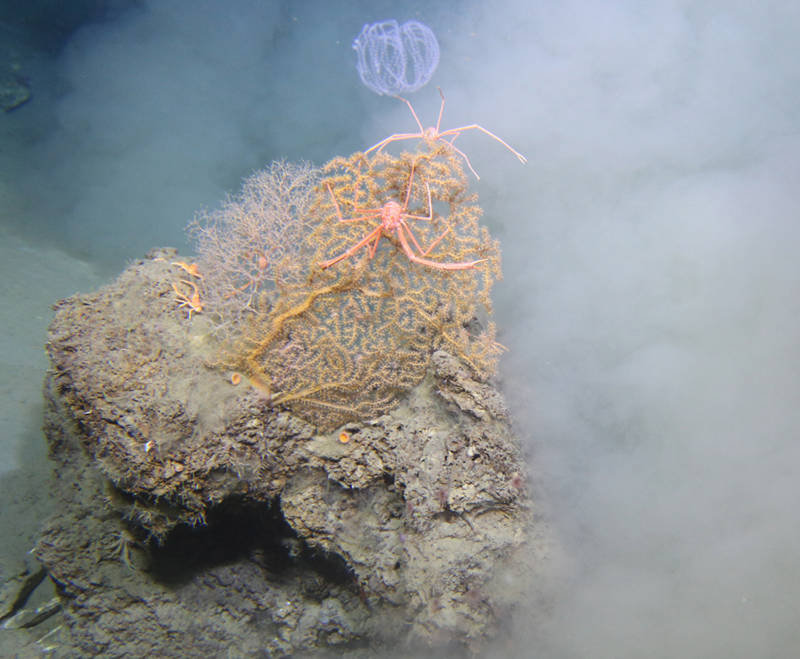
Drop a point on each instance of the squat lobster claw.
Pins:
(393, 218)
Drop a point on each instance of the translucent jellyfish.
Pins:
(394, 58)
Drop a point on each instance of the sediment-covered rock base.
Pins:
(199, 521)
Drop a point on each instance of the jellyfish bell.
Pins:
(393, 58)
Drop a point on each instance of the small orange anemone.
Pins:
(236, 378)
(344, 437)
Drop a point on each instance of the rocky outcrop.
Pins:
(197, 519)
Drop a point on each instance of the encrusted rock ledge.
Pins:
(198, 521)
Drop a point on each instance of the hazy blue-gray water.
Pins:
(650, 301)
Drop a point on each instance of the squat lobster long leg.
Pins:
(393, 218)
(375, 235)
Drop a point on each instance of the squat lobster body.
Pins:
(391, 215)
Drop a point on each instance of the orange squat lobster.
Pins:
(432, 134)
(393, 218)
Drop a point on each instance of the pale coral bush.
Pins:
(252, 245)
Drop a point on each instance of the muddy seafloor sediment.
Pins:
(197, 521)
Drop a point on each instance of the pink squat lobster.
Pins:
(432, 133)
(393, 218)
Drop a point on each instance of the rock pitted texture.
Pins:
(198, 521)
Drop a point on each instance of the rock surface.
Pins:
(198, 521)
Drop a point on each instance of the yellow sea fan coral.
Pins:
(349, 340)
